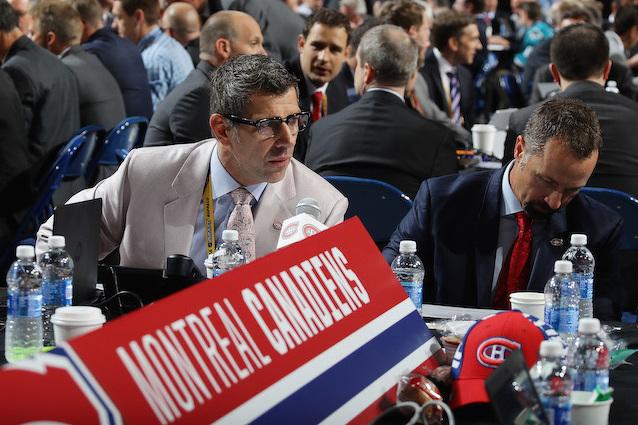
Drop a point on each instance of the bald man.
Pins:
(183, 116)
(181, 21)
(22, 9)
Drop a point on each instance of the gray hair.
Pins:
(219, 25)
(570, 121)
(241, 77)
(391, 52)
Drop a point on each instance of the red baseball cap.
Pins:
(485, 347)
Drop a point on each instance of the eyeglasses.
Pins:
(268, 127)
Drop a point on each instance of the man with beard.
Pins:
(518, 219)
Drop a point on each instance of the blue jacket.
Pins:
(455, 220)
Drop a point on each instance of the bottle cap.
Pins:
(230, 235)
(552, 348)
(562, 266)
(407, 247)
(24, 252)
(57, 241)
(589, 326)
(579, 239)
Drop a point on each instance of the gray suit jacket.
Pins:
(182, 117)
(101, 101)
(150, 204)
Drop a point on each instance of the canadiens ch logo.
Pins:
(290, 230)
(493, 351)
(309, 230)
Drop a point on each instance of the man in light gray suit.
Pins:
(57, 26)
(153, 205)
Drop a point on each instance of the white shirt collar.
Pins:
(444, 65)
(387, 91)
(509, 203)
(224, 183)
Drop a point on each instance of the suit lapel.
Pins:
(432, 73)
(487, 239)
(548, 245)
(180, 212)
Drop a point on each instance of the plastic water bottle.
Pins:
(23, 333)
(57, 285)
(229, 254)
(589, 358)
(562, 300)
(553, 382)
(583, 272)
(409, 271)
(612, 87)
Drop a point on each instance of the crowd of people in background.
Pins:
(392, 87)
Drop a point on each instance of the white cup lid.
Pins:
(562, 266)
(57, 241)
(77, 315)
(25, 251)
(407, 247)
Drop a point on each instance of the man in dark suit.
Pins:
(57, 27)
(455, 37)
(48, 90)
(485, 235)
(119, 56)
(581, 66)
(379, 136)
(13, 148)
(182, 117)
(322, 51)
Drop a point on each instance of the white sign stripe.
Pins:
(262, 402)
(358, 403)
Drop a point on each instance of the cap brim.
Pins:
(468, 391)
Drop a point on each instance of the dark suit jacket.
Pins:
(337, 93)
(617, 166)
(182, 117)
(380, 137)
(13, 133)
(121, 58)
(101, 101)
(455, 221)
(430, 72)
(49, 94)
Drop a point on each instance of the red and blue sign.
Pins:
(315, 332)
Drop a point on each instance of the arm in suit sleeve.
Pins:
(189, 121)
(608, 287)
(27, 92)
(115, 194)
(445, 161)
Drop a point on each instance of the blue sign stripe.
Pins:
(337, 385)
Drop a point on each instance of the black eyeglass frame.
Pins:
(264, 123)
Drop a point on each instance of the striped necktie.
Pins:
(455, 98)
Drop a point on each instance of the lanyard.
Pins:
(209, 216)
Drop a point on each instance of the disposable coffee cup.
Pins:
(483, 136)
(72, 321)
(208, 263)
(532, 303)
(588, 412)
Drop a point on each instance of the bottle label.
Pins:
(585, 282)
(551, 318)
(588, 380)
(57, 292)
(415, 292)
(25, 305)
(568, 320)
(558, 413)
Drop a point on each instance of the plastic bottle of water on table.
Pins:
(23, 333)
(553, 382)
(562, 298)
(57, 285)
(410, 272)
(583, 272)
(229, 254)
(589, 358)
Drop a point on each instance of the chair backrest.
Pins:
(512, 89)
(126, 135)
(379, 205)
(626, 206)
(80, 162)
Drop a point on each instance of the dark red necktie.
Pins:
(316, 105)
(515, 271)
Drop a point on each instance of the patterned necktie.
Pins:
(241, 219)
(455, 98)
(317, 104)
(515, 271)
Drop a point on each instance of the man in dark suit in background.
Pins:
(322, 51)
(57, 27)
(455, 37)
(485, 235)
(181, 21)
(48, 90)
(379, 136)
(119, 56)
(580, 65)
(13, 134)
(182, 117)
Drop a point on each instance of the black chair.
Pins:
(379, 205)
